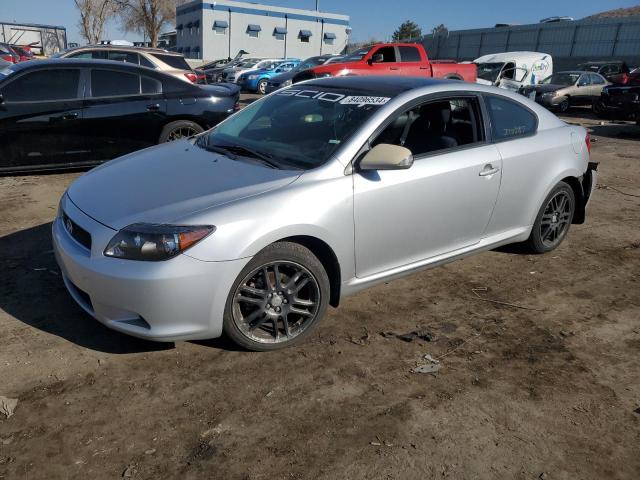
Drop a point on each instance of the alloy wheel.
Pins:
(181, 132)
(276, 302)
(556, 219)
(262, 87)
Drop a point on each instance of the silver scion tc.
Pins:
(310, 194)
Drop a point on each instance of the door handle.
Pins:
(154, 107)
(70, 116)
(488, 170)
(394, 68)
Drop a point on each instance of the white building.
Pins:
(220, 29)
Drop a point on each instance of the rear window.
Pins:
(510, 120)
(109, 83)
(409, 54)
(43, 85)
(174, 61)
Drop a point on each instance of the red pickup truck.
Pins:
(406, 59)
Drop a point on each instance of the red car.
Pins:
(405, 59)
(8, 54)
(24, 53)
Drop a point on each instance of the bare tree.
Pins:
(148, 16)
(94, 14)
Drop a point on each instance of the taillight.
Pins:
(192, 77)
(8, 58)
(587, 140)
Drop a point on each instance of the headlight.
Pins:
(286, 83)
(549, 94)
(252, 77)
(151, 242)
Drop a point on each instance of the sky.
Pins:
(369, 18)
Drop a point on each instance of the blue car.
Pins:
(256, 81)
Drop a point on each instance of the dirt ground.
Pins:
(549, 390)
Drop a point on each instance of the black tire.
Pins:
(564, 105)
(179, 129)
(543, 240)
(262, 86)
(262, 337)
(598, 109)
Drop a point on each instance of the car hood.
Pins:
(544, 88)
(165, 183)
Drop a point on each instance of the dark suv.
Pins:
(72, 113)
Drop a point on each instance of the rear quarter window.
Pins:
(510, 120)
(409, 54)
(174, 61)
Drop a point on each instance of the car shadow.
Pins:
(616, 129)
(32, 291)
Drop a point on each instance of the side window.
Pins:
(510, 120)
(146, 63)
(43, 85)
(409, 54)
(388, 54)
(436, 125)
(95, 55)
(109, 83)
(119, 56)
(151, 86)
(597, 79)
(508, 71)
(583, 81)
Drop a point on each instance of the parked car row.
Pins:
(620, 101)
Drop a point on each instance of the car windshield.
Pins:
(562, 79)
(296, 128)
(355, 56)
(489, 71)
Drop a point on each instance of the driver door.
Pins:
(383, 61)
(442, 203)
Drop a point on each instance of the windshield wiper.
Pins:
(203, 142)
(265, 158)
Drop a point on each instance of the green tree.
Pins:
(407, 31)
(440, 30)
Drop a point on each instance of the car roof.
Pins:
(124, 47)
(497, 57)
(381, 84)
(77, 62)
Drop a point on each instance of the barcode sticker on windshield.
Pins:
(364, 100)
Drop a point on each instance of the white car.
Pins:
(312, 193)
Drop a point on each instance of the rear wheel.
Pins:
(179, 129)
(262, 86)
(598, 108)
(553, 220)
(277, 299)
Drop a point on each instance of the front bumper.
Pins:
(178, 299)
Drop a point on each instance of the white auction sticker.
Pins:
(364, 100)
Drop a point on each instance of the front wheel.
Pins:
(564, 105)
(277, 299)
(553, 220)
(262, 86)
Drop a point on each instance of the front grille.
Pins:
(78, 233)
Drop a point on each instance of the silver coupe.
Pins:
(312, 193)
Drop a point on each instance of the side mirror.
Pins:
(387, 157)
(376, 58)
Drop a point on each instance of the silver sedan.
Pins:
(312, 193)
